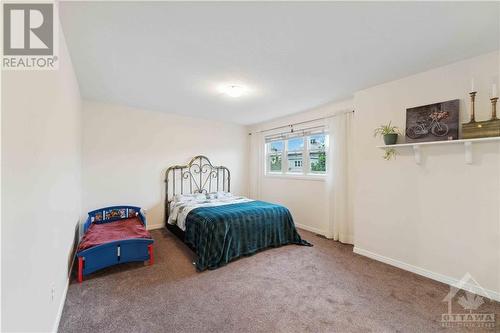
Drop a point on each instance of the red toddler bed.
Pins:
(113, 235)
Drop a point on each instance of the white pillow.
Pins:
(212, 195)
(222, 194)
(189, 197)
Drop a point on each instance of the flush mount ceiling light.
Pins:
(233, 90)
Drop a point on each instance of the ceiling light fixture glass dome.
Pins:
(234, 90)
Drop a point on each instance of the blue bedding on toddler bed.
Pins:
(222, 233)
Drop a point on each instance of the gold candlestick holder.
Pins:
(494, 108)
(484, 128)
(472, 106)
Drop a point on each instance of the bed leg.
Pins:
(80, 269)
(151, 255)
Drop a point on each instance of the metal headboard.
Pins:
(198, 176)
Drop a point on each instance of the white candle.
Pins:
(494, 92)
(472, 85)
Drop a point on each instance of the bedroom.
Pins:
(283, 113)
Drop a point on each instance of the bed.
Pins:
(113, 235)
(217, 225)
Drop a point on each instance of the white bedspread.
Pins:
(180, 210)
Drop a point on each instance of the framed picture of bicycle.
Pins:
(433, 122)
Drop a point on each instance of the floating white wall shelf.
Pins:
(417, 151)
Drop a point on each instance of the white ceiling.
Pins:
(293, 56)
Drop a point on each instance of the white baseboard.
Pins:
(155, 226)
(311, 229)
(61, 306)
(429, 274)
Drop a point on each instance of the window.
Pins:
(274, 154)
(297, 155)
(317, 153)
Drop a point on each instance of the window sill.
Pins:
(320, 178)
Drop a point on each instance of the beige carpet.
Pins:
(325, 288)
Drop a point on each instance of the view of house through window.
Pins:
(317, 153)
(275, 150)
(295, 155)
(304, 155)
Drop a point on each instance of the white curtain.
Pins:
(339, 217)
(256, 164)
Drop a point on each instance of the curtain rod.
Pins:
(302, 122)
(302, 130)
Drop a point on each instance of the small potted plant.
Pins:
(388, 132)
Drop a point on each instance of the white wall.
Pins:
(41, 192)
(306, 199)
(439, 218)
(126, 152)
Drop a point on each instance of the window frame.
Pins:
(306, 172)
(285, 166)
(309, 151)
(268, 154)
